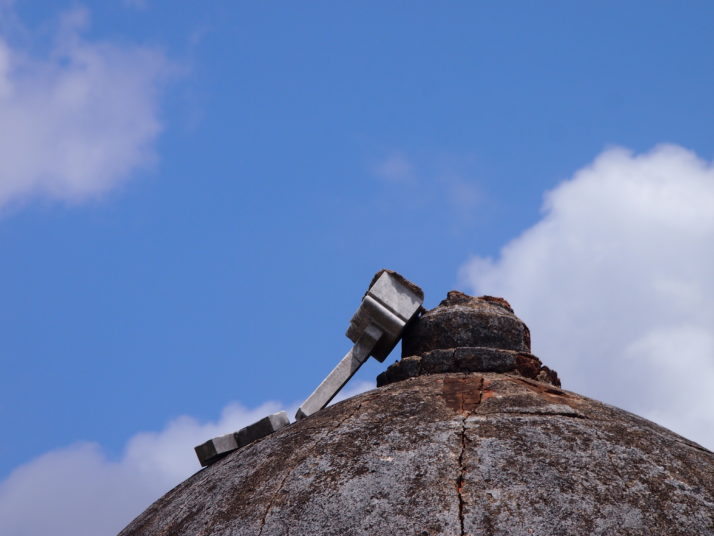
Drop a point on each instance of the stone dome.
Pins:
(467, 434)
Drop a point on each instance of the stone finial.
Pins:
(467, 334)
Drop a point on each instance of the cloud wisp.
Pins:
(443, 187)
(615, 284)
(79, 491)
(395, 168)
(76, 123)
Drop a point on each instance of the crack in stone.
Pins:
(462, 471)
(352, 414)
(288, 473)
(542, 414)
(272, 500)
(460, 479)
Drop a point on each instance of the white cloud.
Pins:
(396, 167)
(78, 122)
(463, 197)
(615, 282)
(78, 491)
(437, 190)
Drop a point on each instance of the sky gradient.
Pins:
(194, 196)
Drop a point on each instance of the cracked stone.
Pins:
(465, 321)
(451, 454)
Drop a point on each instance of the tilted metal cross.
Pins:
(389, 304)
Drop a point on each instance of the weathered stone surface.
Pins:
(451, 454)
(484, 359)
(471, 435)
(467, 334)
(468, 359)
(465, 321)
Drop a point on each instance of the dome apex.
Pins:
(467, 334)
(468, 434)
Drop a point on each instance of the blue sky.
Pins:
(194, 196)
